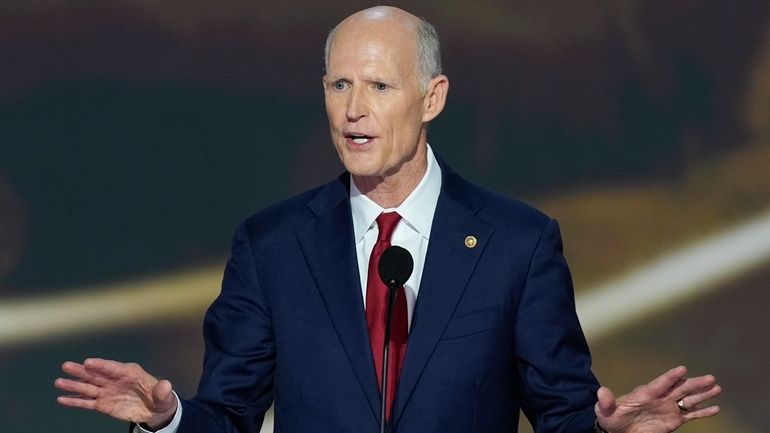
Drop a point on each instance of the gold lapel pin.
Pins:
(470, 241)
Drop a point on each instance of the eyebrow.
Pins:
(365, 78)
(378, 79)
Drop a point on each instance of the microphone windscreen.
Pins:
(395, 266)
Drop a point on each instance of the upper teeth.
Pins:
(361, 140)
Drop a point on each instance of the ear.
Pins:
(435, 98)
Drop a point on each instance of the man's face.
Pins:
(374, 106)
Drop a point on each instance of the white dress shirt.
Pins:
(411, 233)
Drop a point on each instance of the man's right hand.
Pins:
(120, 390)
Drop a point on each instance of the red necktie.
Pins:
(376, 309)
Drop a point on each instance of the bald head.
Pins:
(394, 22)
(383, 13)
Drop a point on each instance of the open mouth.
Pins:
(359, 138)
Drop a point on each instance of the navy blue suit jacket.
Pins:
(494, 327)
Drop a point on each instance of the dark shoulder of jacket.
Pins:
(493, 207)
(292, 212)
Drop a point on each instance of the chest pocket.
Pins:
(473, 323)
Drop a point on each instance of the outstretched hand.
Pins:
(660, 406)
(120, 390)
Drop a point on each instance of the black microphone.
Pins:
(395, 267)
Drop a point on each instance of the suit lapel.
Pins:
(449, 265)
(329, 248)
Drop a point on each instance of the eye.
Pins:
(339, 85)
(380, 87)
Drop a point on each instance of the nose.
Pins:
(357, 106)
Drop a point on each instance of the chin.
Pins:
(362, 171)
(361, 165)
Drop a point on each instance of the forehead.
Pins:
(380, 45)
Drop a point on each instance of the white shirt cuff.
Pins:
(171, 427)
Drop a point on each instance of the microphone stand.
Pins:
(395, 267)
(392, 288)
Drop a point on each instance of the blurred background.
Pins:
(136, 134)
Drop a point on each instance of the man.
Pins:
(489, 308)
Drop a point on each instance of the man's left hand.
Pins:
(660, 406)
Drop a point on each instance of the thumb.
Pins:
(605, 406)
(162, 395)
(165, 405)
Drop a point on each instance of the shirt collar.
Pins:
(417, 210)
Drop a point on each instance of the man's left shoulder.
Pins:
(496, 209)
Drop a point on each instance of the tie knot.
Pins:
(386, 223)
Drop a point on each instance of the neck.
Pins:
(391, 190)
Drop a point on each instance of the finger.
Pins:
(694, 385)
(117, 371)
(605, 406)
(73, 369)
(163, 396)
(81, 372)
(162, 391)
(76, 401)
(694, 399)
(663, 384)
(106, 367)
(77, 387)
(701, 413)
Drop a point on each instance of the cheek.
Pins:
(409, 124)
(333, 110)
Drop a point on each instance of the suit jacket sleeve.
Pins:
(235, 389)
(558, 390)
